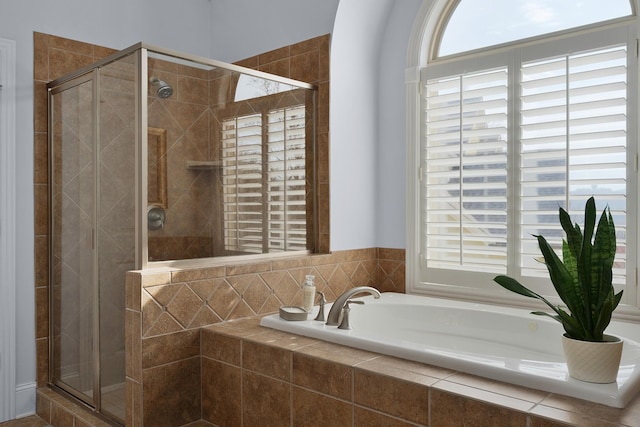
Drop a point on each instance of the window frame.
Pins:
(423, 38)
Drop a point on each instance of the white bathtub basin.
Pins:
(505, 344)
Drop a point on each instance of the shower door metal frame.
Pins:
(142, 143)
(76, 78)
(94, 401)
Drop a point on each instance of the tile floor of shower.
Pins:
(32, 421)
(79, 416)
(65, 413)
(111, 399)
(35, 421)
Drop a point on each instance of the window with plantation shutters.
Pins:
(573, 144)
(465, 171)
(263, 181)
(511, 135)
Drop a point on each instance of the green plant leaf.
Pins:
(573, 328)
(568, 289)
(573, 233)
(604, 315)
(583, 278)
(513, 285)
(570, 325)
(571, 264)
(604, 252)
(586, 263)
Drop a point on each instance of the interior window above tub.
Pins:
(263, 161)
(231, 162)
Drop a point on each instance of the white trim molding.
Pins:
(424, 26)
(7, 230)
(25, 401)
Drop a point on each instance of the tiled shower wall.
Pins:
(185, 118)
(191, 122)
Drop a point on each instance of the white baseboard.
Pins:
(25, 399)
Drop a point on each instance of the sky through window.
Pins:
(473, 25)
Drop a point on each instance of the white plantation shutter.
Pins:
(242, 183)
(465, 164)
(286, 191)
(263, 169)
(507, 139)
(573, 145)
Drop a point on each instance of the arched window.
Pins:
(503, 21)
(523, 110)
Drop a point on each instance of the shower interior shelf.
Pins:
(204, 164)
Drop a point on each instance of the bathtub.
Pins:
(504, 344)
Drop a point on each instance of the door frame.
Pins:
(7, 229)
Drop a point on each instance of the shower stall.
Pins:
(157, 157)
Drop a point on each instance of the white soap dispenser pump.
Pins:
(308, 293)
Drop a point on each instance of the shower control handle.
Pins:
(155, 217)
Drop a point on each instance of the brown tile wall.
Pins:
(167, 308)
(258, 376)
(186, 117)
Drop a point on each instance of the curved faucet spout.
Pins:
(333, 319)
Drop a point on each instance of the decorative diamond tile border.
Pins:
(187, 299)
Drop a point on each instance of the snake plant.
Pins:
(582, 279)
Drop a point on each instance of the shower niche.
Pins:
(158, 157)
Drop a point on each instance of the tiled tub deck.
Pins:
(257, 376)
(248, 375)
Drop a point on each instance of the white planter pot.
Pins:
(594, 362)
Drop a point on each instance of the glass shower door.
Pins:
(115, 226)
(93, 202)
(73, 269)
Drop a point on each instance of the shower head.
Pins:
(164, 89)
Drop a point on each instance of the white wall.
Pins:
(244, 28)
(184, 25)
(391, 160)
(357, 35)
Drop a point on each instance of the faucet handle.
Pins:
(352, 301)
(345, 314)
(323, 300)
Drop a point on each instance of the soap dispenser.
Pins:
(308, 293)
